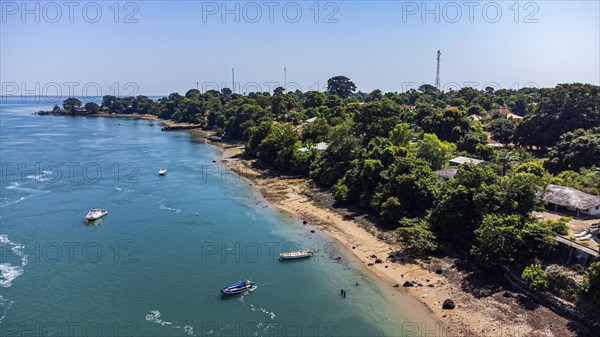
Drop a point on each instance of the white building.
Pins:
(321, 147)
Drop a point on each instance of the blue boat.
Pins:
(238, 288)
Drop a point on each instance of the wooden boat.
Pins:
(162, 172)
(95, 214)
(297, 254)
(238, 288)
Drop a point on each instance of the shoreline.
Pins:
(493, 313)
(481, 309)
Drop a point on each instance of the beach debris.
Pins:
(304, 222)
(448, 304)
(369, 264)
(386, 266)
(312, 230)
(396, 285)
(408, 284)
(373, 256)
(378, 261)
(353, 247)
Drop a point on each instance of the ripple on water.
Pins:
(17, 186)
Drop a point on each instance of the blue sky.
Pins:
(378, 44)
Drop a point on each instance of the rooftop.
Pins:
(322, 146)
(569, 197)
(462, 160)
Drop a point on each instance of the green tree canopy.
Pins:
(71, 104)
(566, 108)
(341, 86)
(434, 151)
(531, 167)
(575, 150)
(91, 107)
(503, 129)
(415, 236)
(401, 135)
(535, 276)
(377, 119)
(592, 282)
(450, 125)
(314, 99)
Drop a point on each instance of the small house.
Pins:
(508, 114)
(567, 198)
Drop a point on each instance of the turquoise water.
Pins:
(154, 265)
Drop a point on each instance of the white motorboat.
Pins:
(297, 254)
(162, 172)
(95, 214)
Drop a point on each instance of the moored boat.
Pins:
(162, 172)
(95, 214)
(297, 254)
(238, 288)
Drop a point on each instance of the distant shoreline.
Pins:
(170, 125)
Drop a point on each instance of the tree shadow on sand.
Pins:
(480, 283)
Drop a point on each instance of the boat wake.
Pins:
(164, 207)
(29, 192)
(154, 317)
(263, 310)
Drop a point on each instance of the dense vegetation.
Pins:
(383, 149)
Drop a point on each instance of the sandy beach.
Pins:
(481, 309)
